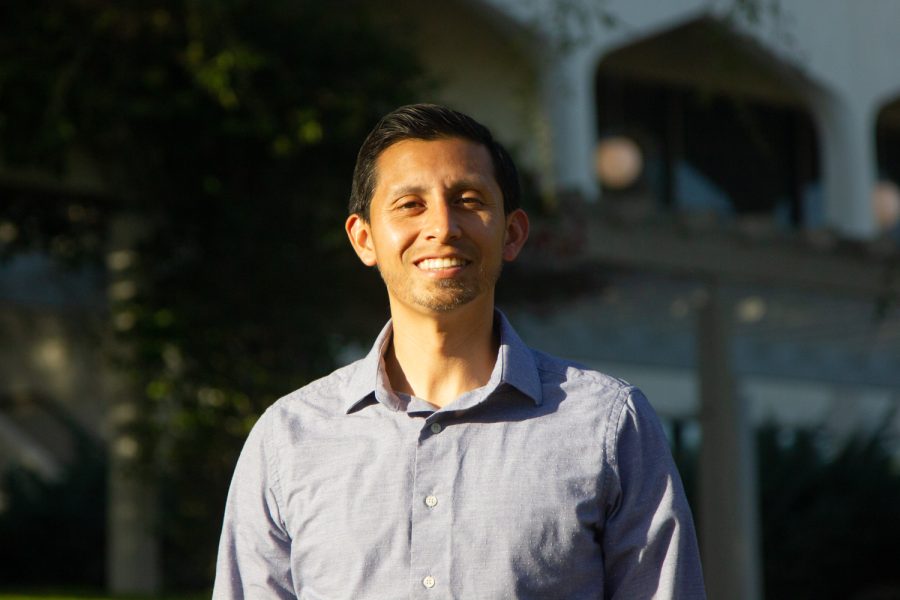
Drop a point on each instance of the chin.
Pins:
(446, 302)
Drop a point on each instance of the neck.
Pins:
(439, 356)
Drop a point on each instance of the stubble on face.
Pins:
(444, 295)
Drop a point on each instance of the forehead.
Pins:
(429, 162)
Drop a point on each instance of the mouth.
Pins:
(441, 264)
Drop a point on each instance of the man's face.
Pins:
(436, 229)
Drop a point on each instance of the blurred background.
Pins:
(714, 191)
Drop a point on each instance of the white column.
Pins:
(132, 549)
(728, 521)
(846, 129)
(569, 111)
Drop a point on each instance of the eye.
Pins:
(409, 204)
(471, 201)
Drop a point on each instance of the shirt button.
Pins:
(436, 428)
(430, 501)
(428, 582)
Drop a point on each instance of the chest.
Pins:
(378, 508)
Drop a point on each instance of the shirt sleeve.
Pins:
(254, 549)
(649, 544)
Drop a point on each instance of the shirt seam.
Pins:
(611, 455)
(274, 474)
(586, 372)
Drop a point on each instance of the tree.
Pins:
(230, 129)
(830, 518)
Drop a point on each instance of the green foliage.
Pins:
(830, 521)
(829, 512)
(69, 227)
(230, 129)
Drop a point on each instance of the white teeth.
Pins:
(436, 264)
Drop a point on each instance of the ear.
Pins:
(516, 234)
(360, 234)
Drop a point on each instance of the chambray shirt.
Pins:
(550, 482)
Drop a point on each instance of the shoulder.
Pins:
(570, 385)
(575, 379)
(321, 398)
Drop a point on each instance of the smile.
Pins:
(439, 264)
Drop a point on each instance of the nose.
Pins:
(442, 224)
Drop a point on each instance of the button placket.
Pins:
(429, 539)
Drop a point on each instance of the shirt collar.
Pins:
(514, 366)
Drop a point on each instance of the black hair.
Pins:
(428, 122)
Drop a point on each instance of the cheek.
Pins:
(394, 238)
(397, 236)
(484, 226)
(495, 233)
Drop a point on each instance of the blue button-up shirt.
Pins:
(552, 481)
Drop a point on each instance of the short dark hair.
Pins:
(428, 122)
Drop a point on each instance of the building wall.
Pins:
(839, 55)
(476, 67)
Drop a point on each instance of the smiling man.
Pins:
(453, 461)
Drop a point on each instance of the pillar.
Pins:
(729, 538)
(569, 111)
(132, 552)
(848, 158)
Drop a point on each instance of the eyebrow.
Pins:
(398, 192)
(472, 183)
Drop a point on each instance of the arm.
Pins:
(649, 544)
(255, 548)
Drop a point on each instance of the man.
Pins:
(453, 461)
